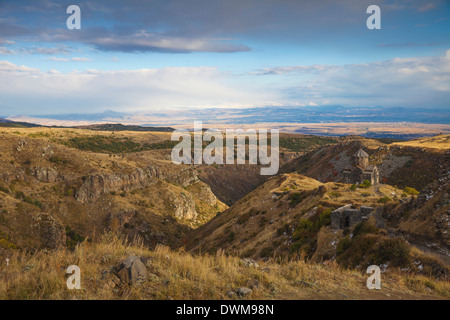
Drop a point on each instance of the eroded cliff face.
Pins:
(182, 204)
(49, 231)
(47, 188)
(184, 177)
(99, 184)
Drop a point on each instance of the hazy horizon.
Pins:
(169, 55)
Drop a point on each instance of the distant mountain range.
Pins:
(5, 123)
(270, 114)
(306, 120)
(121, 127)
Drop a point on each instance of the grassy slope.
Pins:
(179, 275)
(21, 200)
(253, 223)
(441, 142)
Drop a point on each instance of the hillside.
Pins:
(264, 217)
(180, 276)
(121, 127)
(52, 194)
(406, 164)
(4, 123)
(67, 189)
(440, 142)
(291, 214)
(426, 220)
(232, 182)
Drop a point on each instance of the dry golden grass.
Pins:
(180, 275)
(441, 142)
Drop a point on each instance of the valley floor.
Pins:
(181, 276)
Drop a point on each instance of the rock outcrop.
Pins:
(131, 271)
(51, 233)
(98, 184)
(182, 204)
(46, 174)
(184, 178)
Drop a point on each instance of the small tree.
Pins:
(365, 184)
(411, 191)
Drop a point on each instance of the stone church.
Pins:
(361, 170)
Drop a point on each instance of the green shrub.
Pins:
(21, 196)
(305, 235)
(353, 187)
(325, 217)
(111, 144)
(335, 194)
(394, 251)
(73, 238)
(411, 191)
(244, 217)
(343, 245)
(295, 198)
(365, 184)
(384, 199)
(267, 252)
(364, 227)
(283, 229)
(58, 160)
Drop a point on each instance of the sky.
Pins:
(146, 56)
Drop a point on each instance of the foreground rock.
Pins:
(242, 292)
(250, 263)
(131, 271)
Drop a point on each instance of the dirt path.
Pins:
(381, 223)
(445, 258)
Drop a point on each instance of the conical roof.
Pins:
(361, 154)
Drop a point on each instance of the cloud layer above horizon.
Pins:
(145, 56)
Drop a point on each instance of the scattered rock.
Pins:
(250, 263)
(231, 294)
(147, 261)
(244, 291)
(51, 233)
(46, 174)
(304, 284)
(153, 277)
(111, 281)
(253, 284)
(106, 258)
(131, 271)
(22, 144)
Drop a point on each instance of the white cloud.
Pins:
(406, 82)
(427, 7)
(80, 59)
(5, 51)
(75, 59)
(423, 81)
(35, 92)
